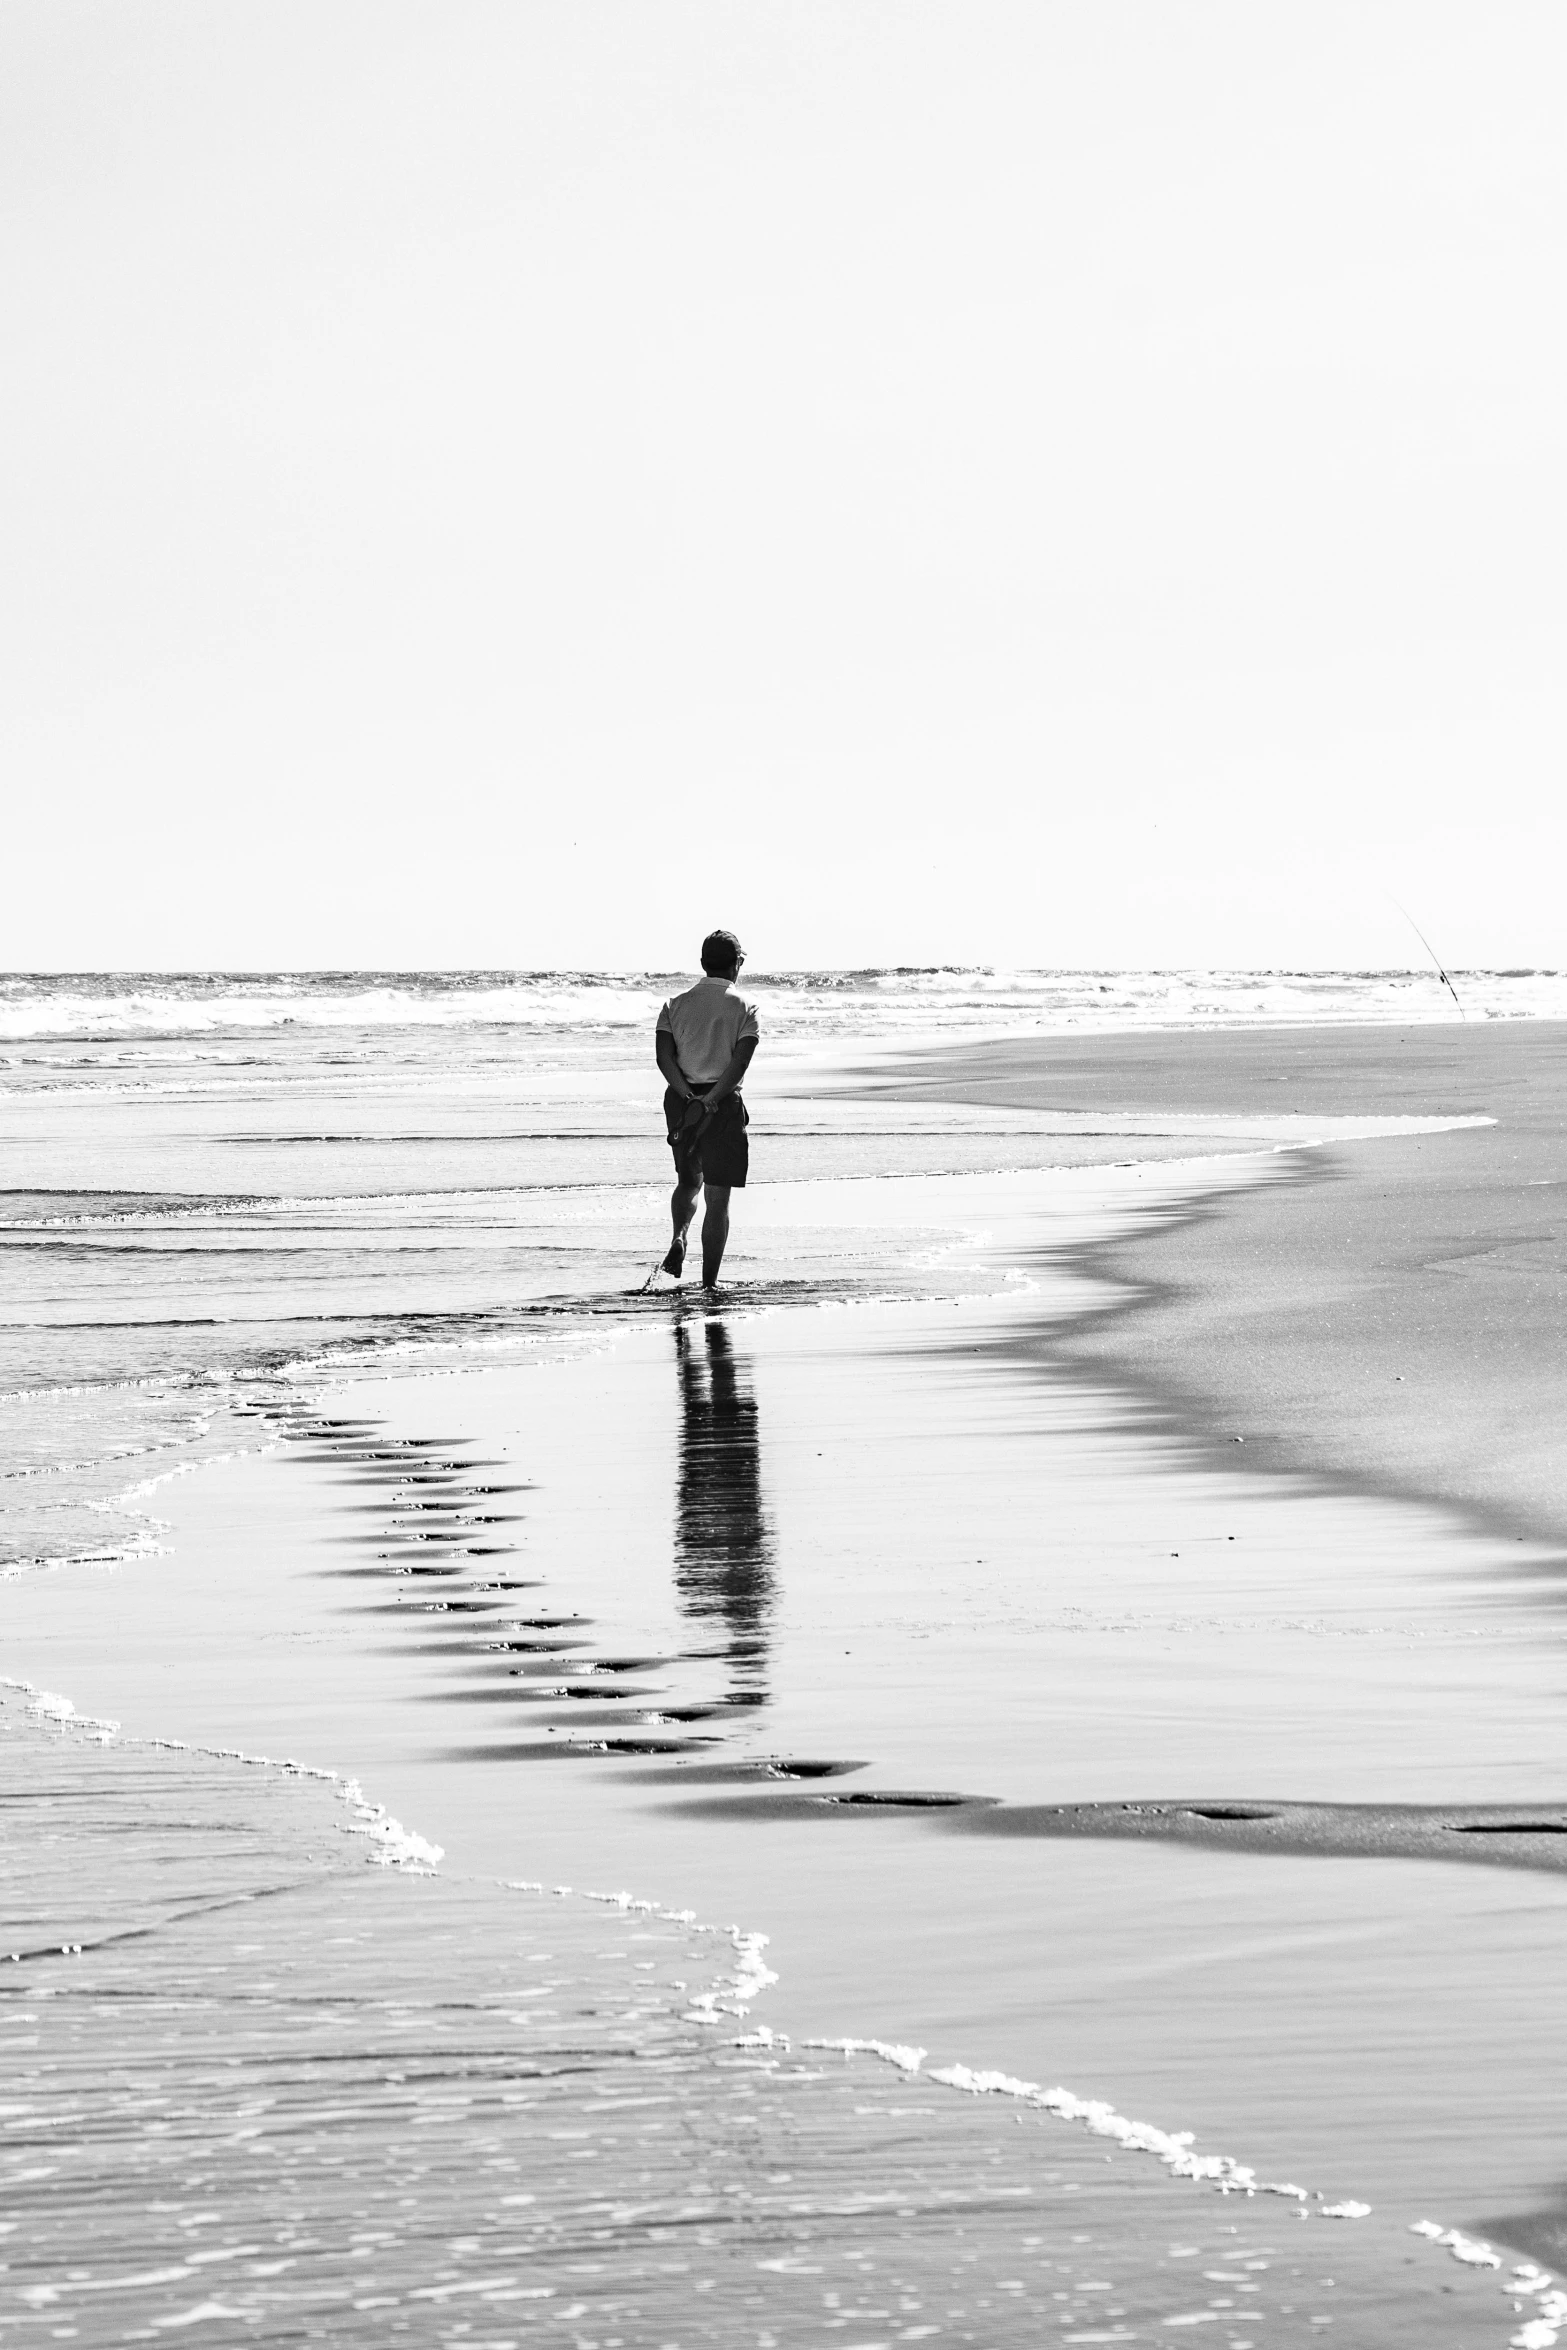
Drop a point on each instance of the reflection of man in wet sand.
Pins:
(723, 1548)
(705, 1041)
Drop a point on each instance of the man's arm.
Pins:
(739, 1062)
(669, 1062)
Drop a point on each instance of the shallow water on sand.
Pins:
(228, 1194)
(658, 1606)
(645, 1618)
(218, 1178)
(350, 2104)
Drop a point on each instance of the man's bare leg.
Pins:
(715, 1232)
(682, 1207)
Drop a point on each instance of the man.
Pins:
(704, 1042)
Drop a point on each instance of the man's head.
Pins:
(722, 954)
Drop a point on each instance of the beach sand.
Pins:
(644, 1619)
(352, 2105)
(1398, 1318)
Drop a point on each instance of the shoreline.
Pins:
(349, 2147)
(886, 1460)
(996, 1550)
(1391, 1320)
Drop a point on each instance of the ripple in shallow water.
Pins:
(257, 2087)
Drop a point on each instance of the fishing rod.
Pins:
(1435, 957)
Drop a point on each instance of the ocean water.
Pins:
(299, 2142)
(228, 1198)
(217, 1186)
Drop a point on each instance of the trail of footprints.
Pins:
(437, 1527)
(436, 1530)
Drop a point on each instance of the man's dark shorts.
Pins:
(720, 1153)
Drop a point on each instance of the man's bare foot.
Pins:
(675, 1262)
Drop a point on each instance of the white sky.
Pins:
(515, 482)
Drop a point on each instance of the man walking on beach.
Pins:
(704, 1043)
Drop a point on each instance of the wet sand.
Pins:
(908, 1551)
(1398, 1317)
(882, 1538)
(354, 2105)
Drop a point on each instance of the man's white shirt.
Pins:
(707, 1022)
